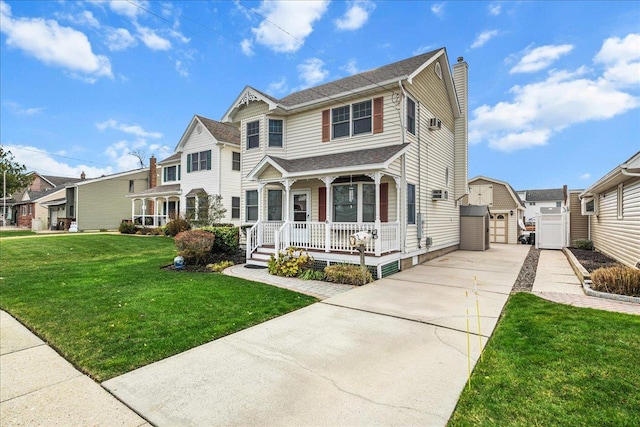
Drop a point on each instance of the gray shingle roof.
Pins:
(221, 131)
(159, 189)
(372, 156)
(376, 76)
(59, 180)
(171, 158)
(544, 195)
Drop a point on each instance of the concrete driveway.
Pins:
(390, 353)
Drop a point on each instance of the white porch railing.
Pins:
(151, 220)
(328, 237)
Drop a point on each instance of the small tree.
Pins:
(17, 178)
(210, 210)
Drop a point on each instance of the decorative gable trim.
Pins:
(247, 96)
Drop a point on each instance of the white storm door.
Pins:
(300, 214)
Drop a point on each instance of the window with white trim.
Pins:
(274, 205)
(351, 120)
(235, 207)
(411, 116)
(171, 173)
(411, 204)
(199, 161)
(354, 202)
(275, 133)
(251, 205)
(620, 201)
(235, 161)
(253, 134)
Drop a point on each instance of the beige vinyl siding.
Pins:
(615, 237)
(103, 203)
(209, 180)
(270, 172)
(304, 132)
(501, 196)
(42, 212)
(578, 223)
(432, 93)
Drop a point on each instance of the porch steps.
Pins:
(261, 256)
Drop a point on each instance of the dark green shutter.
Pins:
(188, 163)
(164, 174)
(209, 160)
(179, 170)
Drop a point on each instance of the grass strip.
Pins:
(550, 364)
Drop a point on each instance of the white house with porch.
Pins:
(382, 150)
(206, 162)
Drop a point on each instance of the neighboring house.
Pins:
(613, 206)
(382, 150)
(100, 203)
(206, 163)
(507, 210)
(535, 199)
(23, 207)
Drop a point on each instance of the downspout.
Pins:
(403, 181)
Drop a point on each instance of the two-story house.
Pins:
(534, 200)
(383, 150)
(206, 163)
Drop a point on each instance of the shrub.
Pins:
(176, 226)
(347, 274)
(127, 228)
(227, 238)
(219, 266)
(289, 263)
(619, 280)
(194, 246)
(311, 275)
(585, 244)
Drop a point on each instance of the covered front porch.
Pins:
(319, 213)
(156, 206)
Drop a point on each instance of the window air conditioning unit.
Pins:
(440, 195)
(435, 123)
(589, 206)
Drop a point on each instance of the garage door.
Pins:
(498, 228)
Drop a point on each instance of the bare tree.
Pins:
(139, 154)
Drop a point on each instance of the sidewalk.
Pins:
(38, 387)
(555, 281)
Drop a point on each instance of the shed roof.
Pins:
(474, 210)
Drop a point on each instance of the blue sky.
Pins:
(554, 86)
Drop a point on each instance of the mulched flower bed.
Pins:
(593, 260)
(237, 258)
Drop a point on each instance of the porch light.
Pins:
(351, 194)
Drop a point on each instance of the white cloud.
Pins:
(128, 9)
(53, 44)
(540, 58)
(356, 15)
(135, 130)
(85, 18)
(495, 9)
(541, 109)
(287, 24)
(483, 38)
(585, 176)
(18, 109)
(181, 69)
(152, 40)
(247, 47)
(438, 9)
(36, 159)
(621, 58)
(277, 88)
(120, 154)
(119, 39)
(422, 49)
(350, 67)
(311, 72)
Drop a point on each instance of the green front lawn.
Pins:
(104, 302)
(556, 365)
(16, 233)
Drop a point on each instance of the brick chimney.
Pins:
(153, 177)
(83, 176)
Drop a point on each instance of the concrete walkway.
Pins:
(393, 352)
(555, 281)
(39, 388)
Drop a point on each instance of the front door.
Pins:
(300, 213)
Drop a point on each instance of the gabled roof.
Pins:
(354, 161)
(175, 157)
(34, 196)
(221, 132)
(360, 83)
(553, 194)
(106, 177)
(618, 175)
(513, 192)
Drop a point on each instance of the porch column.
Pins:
(144, 211)
(287, 183)
(156, 212)
(259, 222)
(378, 242)
(399, 219)
(328, 180)
(133, 210)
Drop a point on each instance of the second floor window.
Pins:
(275, 133)
(361, 117)
(411, 116)
(235, 162)
(171, 173)
(253, 134)
(199, 161)
(340, 119)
